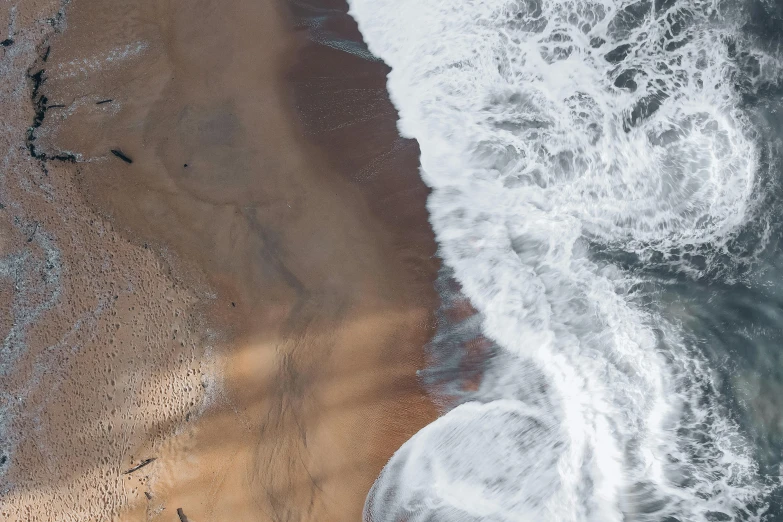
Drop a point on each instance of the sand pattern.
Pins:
(212, 309)
(97, 334)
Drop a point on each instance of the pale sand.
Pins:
(270, 310)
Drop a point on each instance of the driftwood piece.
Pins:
(181, 514)
(136, 468)
(122, 156)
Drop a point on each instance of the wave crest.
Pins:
(546, 128)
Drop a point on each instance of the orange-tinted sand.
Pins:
(246, 302)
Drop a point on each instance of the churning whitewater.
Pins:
(552, 131)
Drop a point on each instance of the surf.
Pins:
(551, 133)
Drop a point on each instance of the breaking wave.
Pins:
(550, 131)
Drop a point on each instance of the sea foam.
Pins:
(550, 128)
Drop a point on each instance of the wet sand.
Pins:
(242, 290)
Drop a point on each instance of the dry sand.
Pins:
(246, 301)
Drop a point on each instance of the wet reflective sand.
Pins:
(214, 253)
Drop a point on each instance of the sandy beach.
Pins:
(216, 269)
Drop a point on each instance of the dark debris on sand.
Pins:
(122, 156)
(143, 463)
(40, 104)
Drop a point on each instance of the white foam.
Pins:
(534, 148)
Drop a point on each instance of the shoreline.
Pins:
(314, 292)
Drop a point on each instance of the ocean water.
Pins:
(606, 191)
